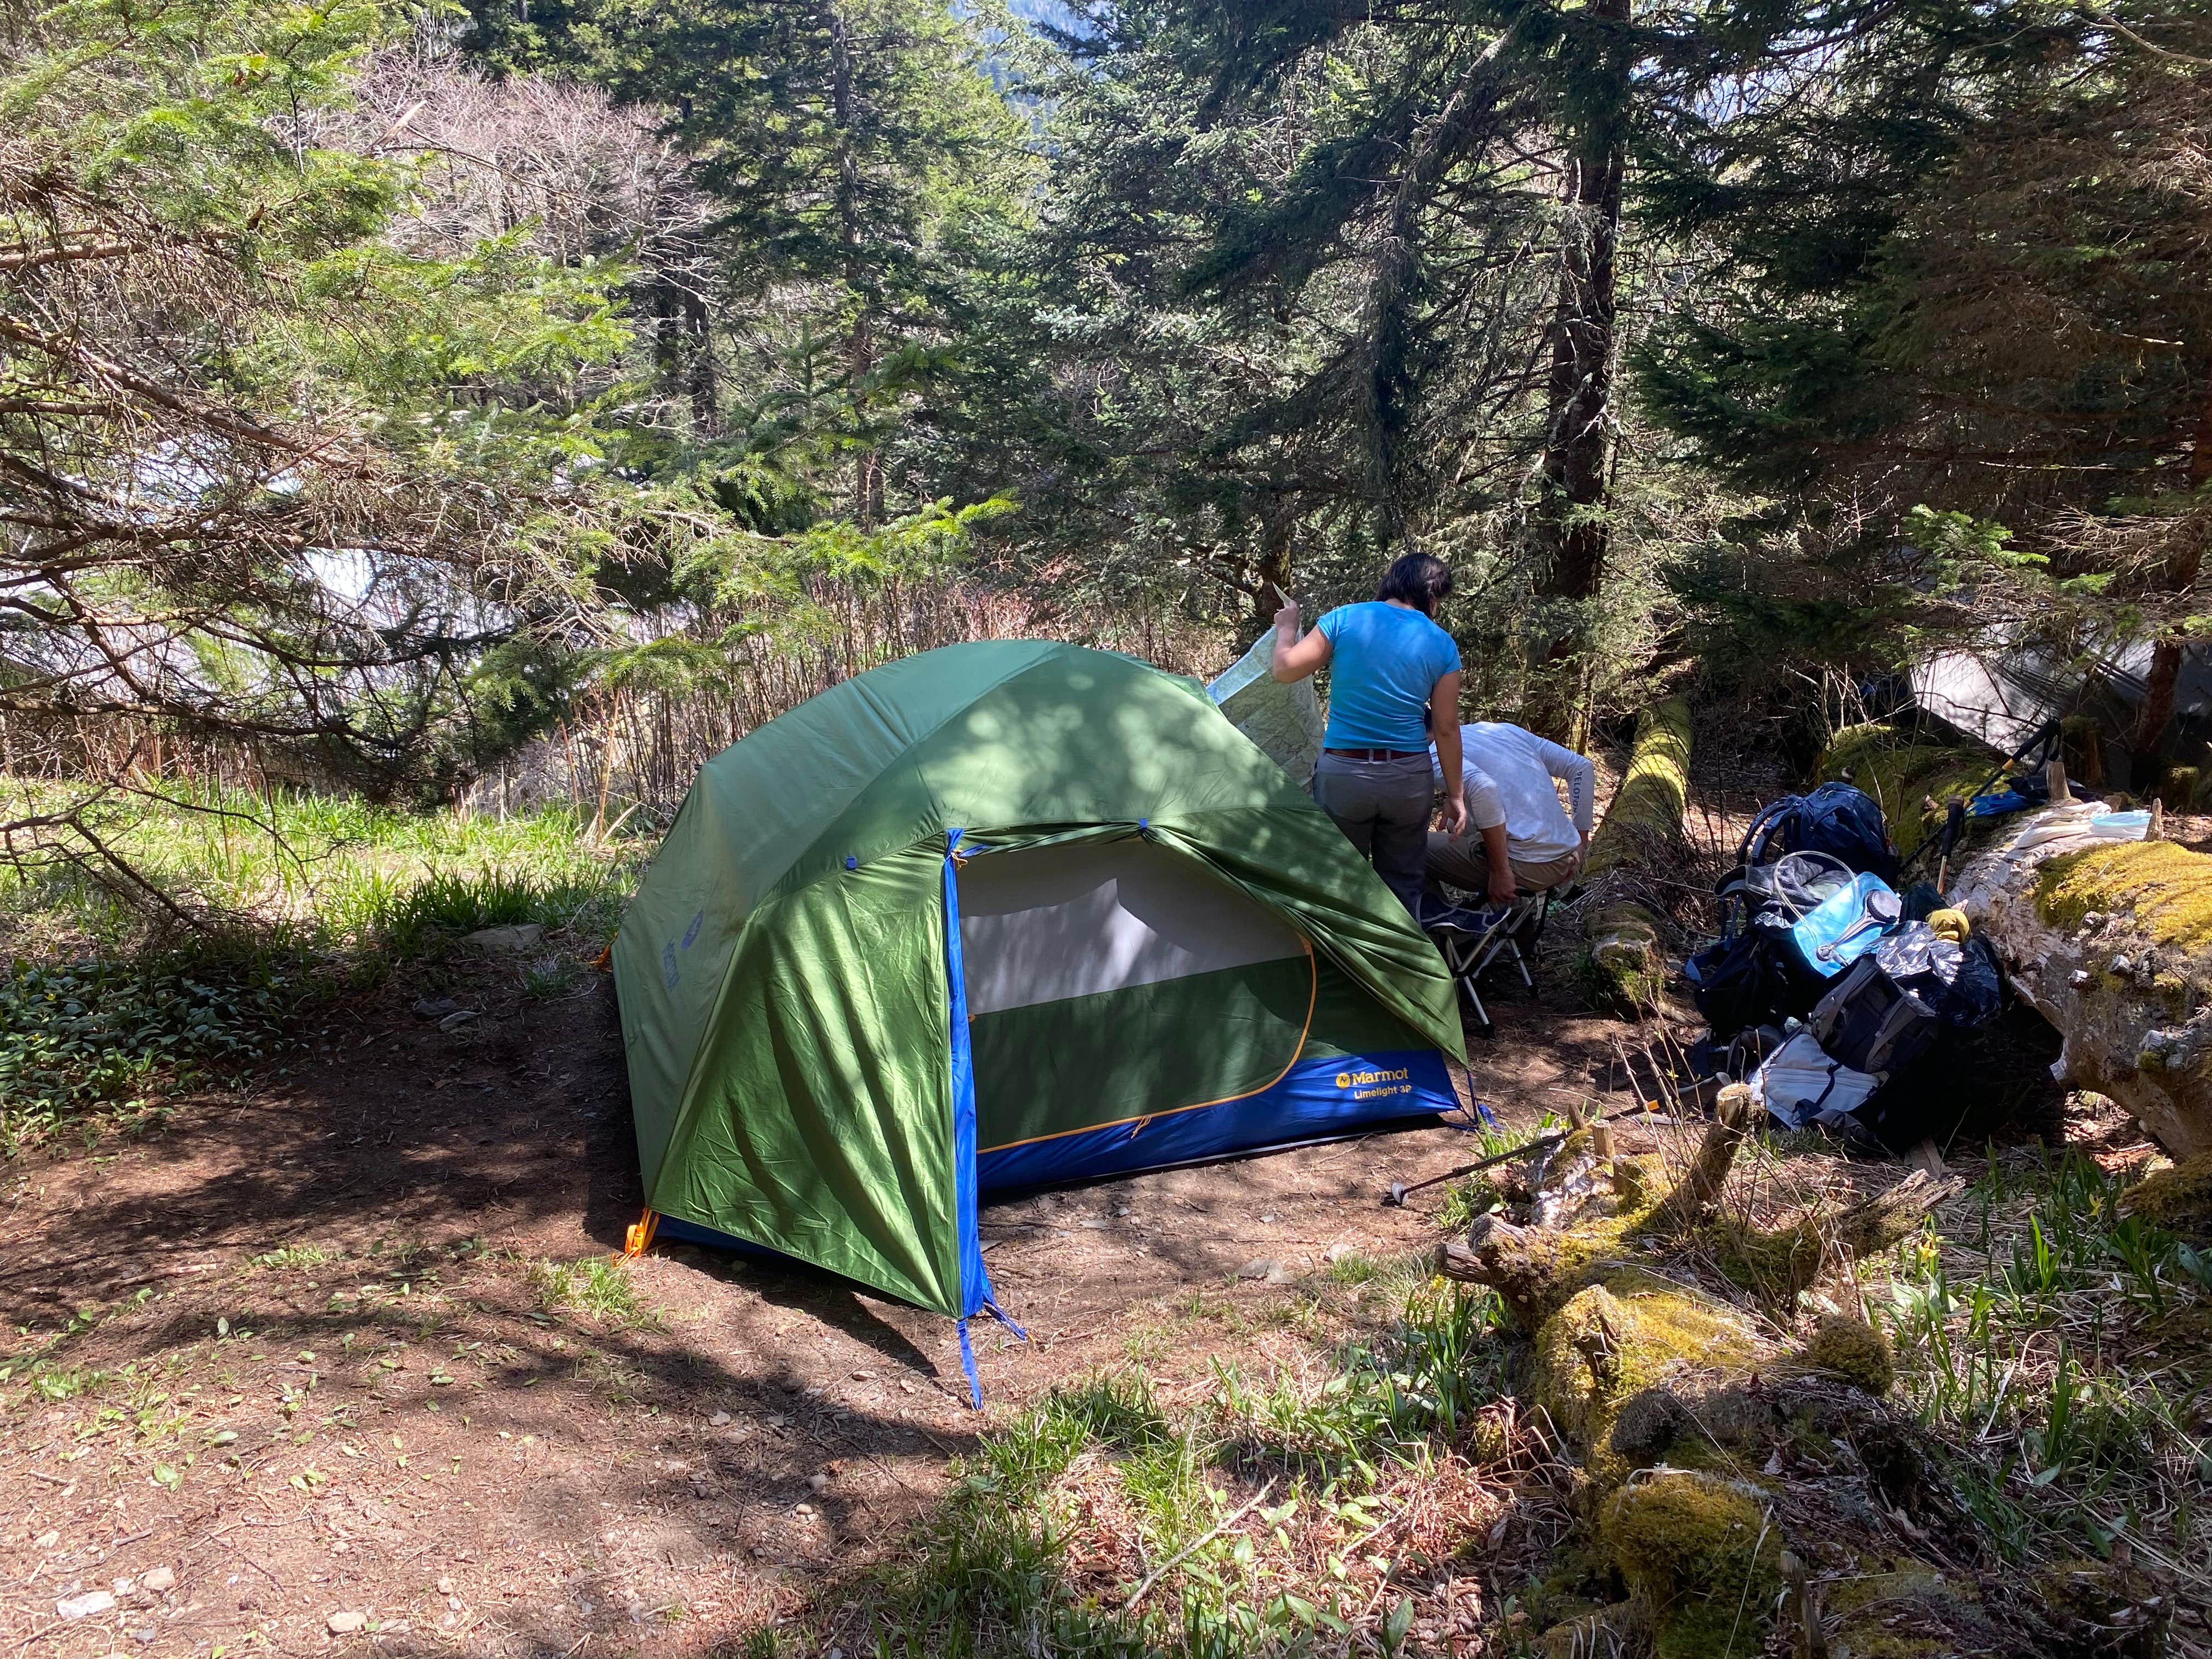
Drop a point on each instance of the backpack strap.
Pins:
(1760, 835)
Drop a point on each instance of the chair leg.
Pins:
(1481, 1014)
(1543, 915)
(1466, 959)
(1521, 963)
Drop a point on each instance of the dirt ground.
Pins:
(304, 1373)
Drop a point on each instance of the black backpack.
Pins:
(1739, 980)
(1835, 818)
(1871, 1022)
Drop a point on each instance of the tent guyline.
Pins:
(1000, 915)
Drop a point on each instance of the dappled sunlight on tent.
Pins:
(1072, 923)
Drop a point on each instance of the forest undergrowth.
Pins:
(272, 907)
(2039, 1436)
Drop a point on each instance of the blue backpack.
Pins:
(1835, 818)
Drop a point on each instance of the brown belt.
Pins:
(1379, 754)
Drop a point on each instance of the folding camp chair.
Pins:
(1470, 940)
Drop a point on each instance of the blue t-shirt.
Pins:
(1384, 660)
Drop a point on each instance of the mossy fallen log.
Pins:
(1904, 776)
(1673, 1400)
(1703, 1555)
(1642, 829)
(1682, 1414)
(2111, 943)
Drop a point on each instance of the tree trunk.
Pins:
(2147, 739)
(1270, 572)
(1574, 535)
(861, 346)
(1578, 435)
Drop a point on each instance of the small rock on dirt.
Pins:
(445, 1586)
(435, 1008)
(817, 1483)
(85, 1606)
(346, 1623)
(517, 936)
(158, 1580)
(719, 1420)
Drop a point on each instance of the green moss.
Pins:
(1702, 1557)
(1858, 1592)
(1625, 964)
(1854, 1350)
(1888, 1645)
(2167, 888)
(2178, 1199)
(1653, 793)
(1901, 775)
(1490, 1440)
(1637, 1179)
(1774, 1263)
(1612, 1340)
(2181, 789)
(1605, 1629)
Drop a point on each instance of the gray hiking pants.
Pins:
(1382, 807)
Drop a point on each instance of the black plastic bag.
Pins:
(1958, 981)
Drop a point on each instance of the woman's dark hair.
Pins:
(1418, 580)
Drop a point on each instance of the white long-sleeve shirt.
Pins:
(1508, 773)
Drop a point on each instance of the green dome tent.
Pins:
(1000, 913)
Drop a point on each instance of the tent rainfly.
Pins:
(1005, 913)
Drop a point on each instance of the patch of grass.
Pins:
(549, 977)
(1104, 1521)
(1352, 1268)
(329, 873)
(2053, 1343)
(292, 1256)
(299, 896)
(597, 1286)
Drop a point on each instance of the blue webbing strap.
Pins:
(1488, 1120)
(968, 1364)
(975, 1291)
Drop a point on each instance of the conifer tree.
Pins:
(1965, 276)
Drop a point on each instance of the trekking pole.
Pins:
(1954, 824)
(1399, 1192)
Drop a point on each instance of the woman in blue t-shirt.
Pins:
(1394, 682)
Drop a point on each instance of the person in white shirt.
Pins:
(1519, 838)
